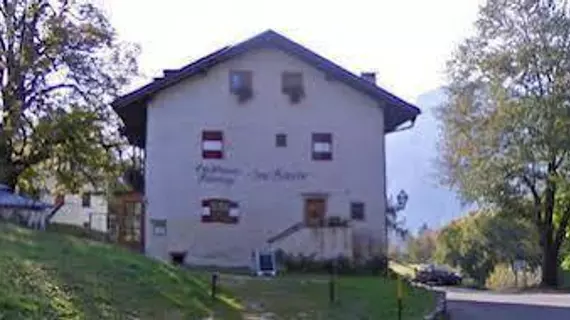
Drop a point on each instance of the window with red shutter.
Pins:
(212, 145)
(322, 146)
(220, 210)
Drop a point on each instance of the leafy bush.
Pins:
(503, 277)
(343, 265)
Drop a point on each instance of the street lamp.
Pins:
(402, 199)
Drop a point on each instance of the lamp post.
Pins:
(402, 200)
(391, 210)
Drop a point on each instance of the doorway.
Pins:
(315, 210)
(126, 221)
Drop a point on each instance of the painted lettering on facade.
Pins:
(279, 175)
(217, 174)
(214, 173)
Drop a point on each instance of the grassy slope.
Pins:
(46, 275)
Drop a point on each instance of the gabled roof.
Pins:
(132, 107)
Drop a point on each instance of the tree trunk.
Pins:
(9, 178)
(549, 264)
(8, 174)
(549, 247)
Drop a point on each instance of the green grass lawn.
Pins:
(307, 297)
(50, 275)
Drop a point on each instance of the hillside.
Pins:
(45, 275)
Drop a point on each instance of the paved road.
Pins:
(475, 305)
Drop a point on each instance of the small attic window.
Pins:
(241, 84)
(292, 85)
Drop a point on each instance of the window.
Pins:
(292, 85)
(86, 200)
(158, 227)
(357, 211)
(219, 210)
(322, 146)
(281, 140)
(212, 145)
(241, 84)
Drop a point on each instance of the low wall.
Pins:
(322, 243)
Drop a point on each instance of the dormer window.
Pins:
(241, 84)
(292, 85)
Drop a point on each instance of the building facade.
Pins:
(263, 144)
(88, 209)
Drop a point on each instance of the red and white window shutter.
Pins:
(206, 212)
(220, 210)
(212, 144)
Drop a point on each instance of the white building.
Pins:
(263, 144)
(88, 209)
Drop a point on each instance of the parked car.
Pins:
(437, 275)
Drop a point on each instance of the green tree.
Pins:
(60, 66)
(506, 127)
(480, 241)
(421, 248)
(447, 244)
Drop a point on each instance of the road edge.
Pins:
(440, 309)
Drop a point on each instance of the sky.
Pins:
(406, 42)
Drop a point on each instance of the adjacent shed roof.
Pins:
(10, 200)
(132, 107)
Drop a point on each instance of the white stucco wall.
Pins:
(177, 116)
(74, 213)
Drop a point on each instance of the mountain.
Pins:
(411, 157)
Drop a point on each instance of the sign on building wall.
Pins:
(215, 173)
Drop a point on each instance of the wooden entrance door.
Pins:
(130, 225)
(126, 222)
(315, 210)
